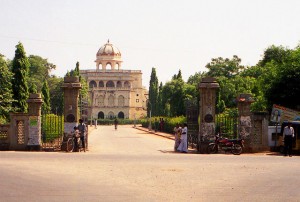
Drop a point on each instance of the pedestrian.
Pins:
(288, 135)
(82, 128)
(116, 123)
(183, 140)
(177, 134)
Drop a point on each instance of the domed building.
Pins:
(114, 92)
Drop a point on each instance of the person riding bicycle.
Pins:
(82, 129)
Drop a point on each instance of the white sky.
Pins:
(166, 34)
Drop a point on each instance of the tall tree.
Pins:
(20, 69)
(39, 70)
(224, 67)
(46, 98)
(6, 96)
(56, 92)
(160, 108)
(153, 94)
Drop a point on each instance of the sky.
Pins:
(165, 34)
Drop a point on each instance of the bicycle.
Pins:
(68, 142)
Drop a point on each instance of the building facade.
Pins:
(114, 92)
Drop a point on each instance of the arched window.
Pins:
(110, 84)
(92, 84)
(119, 84)
(100, 100)
(101, 84)
(121, 101)
(121, 115)
(108, 65)
(100, 115)
(127, 84)
(111, 101)
(111, 115)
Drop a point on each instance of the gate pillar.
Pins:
(207, 88)
(245, 121)
(71, 87)
(34, 115)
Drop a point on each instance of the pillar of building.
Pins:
(244, 101)
(34, 115)
(207, 88)
(71, 87)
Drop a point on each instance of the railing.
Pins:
(52, 131)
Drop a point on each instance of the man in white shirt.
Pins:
(288, 135)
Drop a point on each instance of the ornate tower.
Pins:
(108, 55)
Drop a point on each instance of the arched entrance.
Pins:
(110, 115)
(121, 115)
(100, 115)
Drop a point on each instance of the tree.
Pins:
(160, 108)
(224, 67)
(6, 96)
(20, 70)
(32, 88)
(46, 98)
(39, 70)
(153, 94)
(56, 92)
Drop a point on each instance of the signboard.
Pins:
(280, 114)
(34, 131)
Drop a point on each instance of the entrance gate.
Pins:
(52, 131)
(192, 115)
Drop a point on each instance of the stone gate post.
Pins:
(245, 119)
(34, 115)
(207, 88)
(71, 87)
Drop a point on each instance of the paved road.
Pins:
(132, 165)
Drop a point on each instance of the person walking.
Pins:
(82, 128)
(116, 123)
(177, 134)
(288, 135)
(183, 140)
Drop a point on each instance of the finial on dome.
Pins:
(108, 41)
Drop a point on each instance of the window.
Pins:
(137, 100)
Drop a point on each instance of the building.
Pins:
(114, 92)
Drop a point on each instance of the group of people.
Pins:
(80, 132)
(181, 144)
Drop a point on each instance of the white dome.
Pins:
(108, 49)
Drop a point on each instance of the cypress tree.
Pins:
(6, 96)
(20, 69)
(46, 97)
(153, 93)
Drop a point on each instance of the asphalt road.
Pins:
(133, 165)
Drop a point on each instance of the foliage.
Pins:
(120, 121)
(52, 127)
(169, 123)
(220, 67)
(39, 71)
(153, 94)
(6, 96)
(280, 79)
(32, 88)
(56, 92)
(20, 69)
(46, 98)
